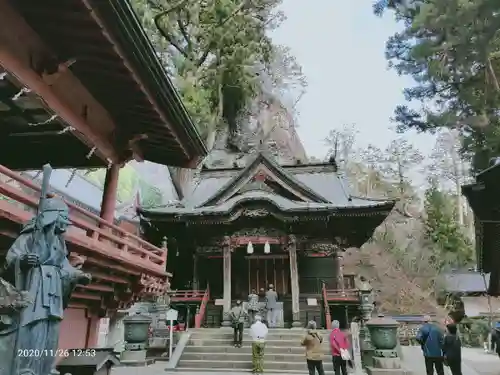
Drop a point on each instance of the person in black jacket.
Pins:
(495, 339)
(452, 350)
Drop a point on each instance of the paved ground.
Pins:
(159, 369)
(475, 362)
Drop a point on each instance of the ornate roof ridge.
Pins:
(263, 158)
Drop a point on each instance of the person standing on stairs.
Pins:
(258, 332)
(340, 349)
(314, 352)
(238, 316)
(253, 305)
(272, 306)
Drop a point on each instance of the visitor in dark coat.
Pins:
(430, 337)
(452, 350)
(495, 338)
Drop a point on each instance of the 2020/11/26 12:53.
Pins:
(56, 353)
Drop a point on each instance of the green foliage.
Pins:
(129, 182)
(215, 49)
(151, 196)
(451, 247)
(451, 48)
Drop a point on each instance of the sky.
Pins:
(340, 45)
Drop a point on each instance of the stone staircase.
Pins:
(212, 350)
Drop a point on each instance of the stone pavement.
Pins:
(158, 368)
(474, 362)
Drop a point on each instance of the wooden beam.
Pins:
(21, 50)
(151, 96)
(79, 295)
(98, 288)
(107, 277)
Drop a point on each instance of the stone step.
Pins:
(246, 355)
(276, 333)
(231, 370)
(226, 342)
(269, 366)
(247, 336)
(231, 349)
(271, 330)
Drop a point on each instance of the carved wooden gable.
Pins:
(266, 181)
(265, 176)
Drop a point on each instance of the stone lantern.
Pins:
(136, 332)
(366, 309)
(384, 340)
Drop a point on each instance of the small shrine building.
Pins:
(482, 196)
(241, 229)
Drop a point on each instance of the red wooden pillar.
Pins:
(108, 203)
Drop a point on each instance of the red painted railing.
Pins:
(341, 294)
(200, 315)
(187, 295)
(20, 200)
(328, 316)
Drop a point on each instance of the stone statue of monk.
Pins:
(47, 276)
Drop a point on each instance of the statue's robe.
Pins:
(49, 286)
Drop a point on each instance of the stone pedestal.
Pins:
(297, 324)
(384, 339)
(386, 362)
(115, 337)
(133, 357)
(226, 320)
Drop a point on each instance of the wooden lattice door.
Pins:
(265, 270)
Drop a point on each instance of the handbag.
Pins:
(344, 353)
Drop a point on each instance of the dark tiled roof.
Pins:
(465, 282)
(321, 183)
(79, 191)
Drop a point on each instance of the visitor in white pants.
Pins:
(272, 317)
(272, 306)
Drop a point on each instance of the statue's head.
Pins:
(55, 211)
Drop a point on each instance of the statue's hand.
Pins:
(85, 279)
(30, 260)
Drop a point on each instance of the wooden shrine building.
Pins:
(245, 228)
(485, 203)
(82, 87)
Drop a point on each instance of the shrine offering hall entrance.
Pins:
(248, 272)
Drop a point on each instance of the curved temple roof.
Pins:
(294, 188)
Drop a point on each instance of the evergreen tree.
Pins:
(217, 52)
(452, 50)
(450, 246)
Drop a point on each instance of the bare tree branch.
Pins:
(164, 13)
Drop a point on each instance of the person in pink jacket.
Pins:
(338, 341)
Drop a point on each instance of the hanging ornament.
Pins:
(91, 152)
(48, 121)
(24, 90)
(66, 130)
(267, 248)
(249, 248)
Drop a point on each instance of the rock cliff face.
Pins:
(272, 129)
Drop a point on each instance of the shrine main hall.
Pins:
(241, 229)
